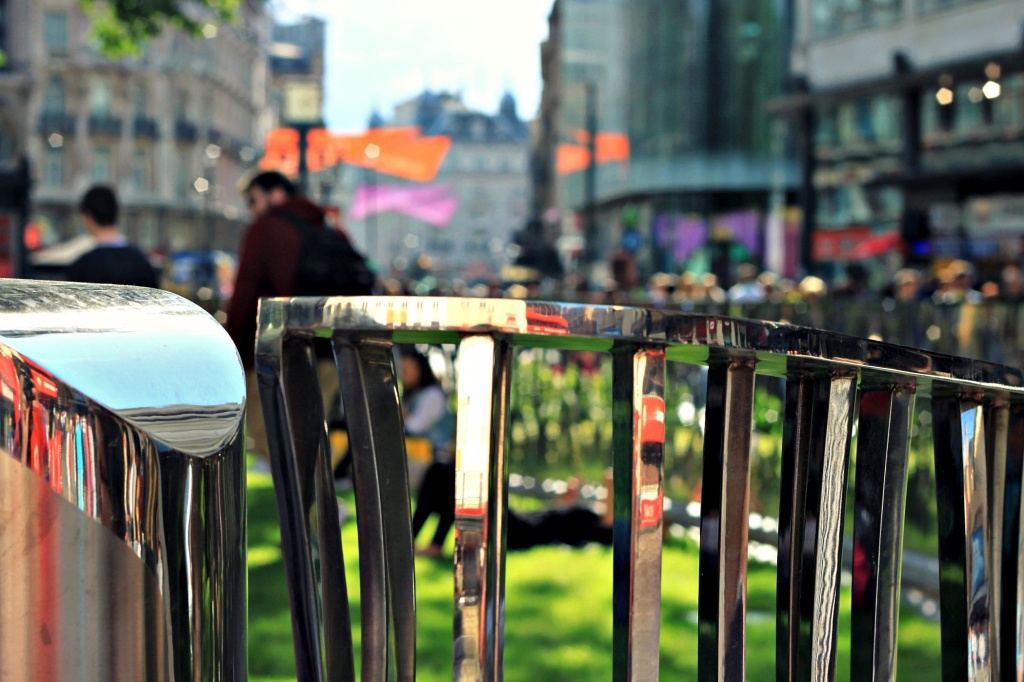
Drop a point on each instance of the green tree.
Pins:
(122, 27)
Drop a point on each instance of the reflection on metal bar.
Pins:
(122, 496)
(722, 602)
(881, 480)
(828, 564)
(1009, 545)
(822, 370)
(997, 424)
(964, 542)
(796, 448)
(369, 389)
(481, 499)
(638, 393)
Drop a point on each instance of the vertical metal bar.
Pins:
(481, 504)
(310, 535)
(366, 374)
(834, 469)
(997, 424)
(795, 455)
(880, 489)
(960, 475)
(722, 601)
(638, 411)
(1011, 663)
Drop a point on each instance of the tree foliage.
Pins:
(122, 27)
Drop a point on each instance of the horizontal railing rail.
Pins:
(839, 391)
(122, 498)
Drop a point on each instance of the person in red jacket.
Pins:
(267, 262)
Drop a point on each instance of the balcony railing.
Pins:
(56, 122)
(146, 127)
(122, 493)
(104, 124)
(185, 131)
(835, 386)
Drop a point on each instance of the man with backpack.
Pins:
(287, 250)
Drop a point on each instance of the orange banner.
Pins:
(394, 151)
(609, 147)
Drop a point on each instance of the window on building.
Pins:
(1008, 108)
(101, 97)
(53, 167)
(970, 113)
(142, 170)
(53, 99)
(101, 164)
(835, 17)
(181, 105)
(182, 178)
(930, 124)
(3, 32)
(825, 135)
(925, 6)
(7, 145)
(55, 32)
(846, 124)
(148, 233)
(140, 102)
(477, 241)
(887, 118)
(439, 241)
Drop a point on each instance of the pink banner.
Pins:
(432, 204)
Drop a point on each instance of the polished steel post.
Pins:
(481, 505)
(366, 371)
(722, 602)
(122, 495)
(964, 539)
(304, 487)
(834, 468)
(796, 453)
(883, 444)
(997, 432)
(638, 411)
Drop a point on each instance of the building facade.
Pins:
(912, 117)
(484, 182)
(687, 82)
(583, 67)
(707, 164)
(171, 130)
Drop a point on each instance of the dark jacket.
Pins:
(266, 267)
(113, 264)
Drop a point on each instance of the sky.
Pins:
(382, 53)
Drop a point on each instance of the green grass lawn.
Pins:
(558, 612)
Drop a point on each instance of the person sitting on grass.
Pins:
(426, 414)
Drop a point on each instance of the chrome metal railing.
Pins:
(835, 386)
(122, 498)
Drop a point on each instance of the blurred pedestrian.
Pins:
(426, 414)
(747, 288)
(268, 264)
(113, 260)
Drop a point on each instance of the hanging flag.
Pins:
(433, 204)
(400, 152)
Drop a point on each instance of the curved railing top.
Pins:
(153, 358)
(778, 348)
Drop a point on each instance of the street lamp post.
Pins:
(205, 186)
(302, 112)
(590, 182)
